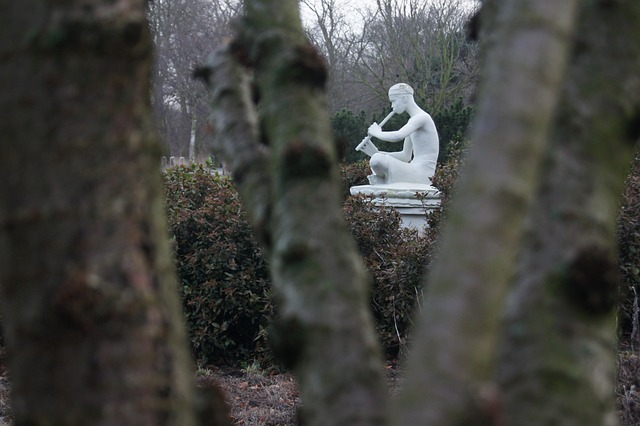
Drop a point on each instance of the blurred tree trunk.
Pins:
(453, 357)
(91, 315)
(558, 357)
(288, 175)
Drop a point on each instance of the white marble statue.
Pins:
(416, 163)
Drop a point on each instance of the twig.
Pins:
(635, 331)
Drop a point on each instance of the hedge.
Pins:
(224, 279)
(225, 285)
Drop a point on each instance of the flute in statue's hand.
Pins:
(366, 145)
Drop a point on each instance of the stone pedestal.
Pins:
(412, 201)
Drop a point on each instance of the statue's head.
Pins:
(400, 94)
(400, 89)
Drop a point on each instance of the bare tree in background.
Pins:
(184, 33)
(416, 41)
(419, 42)
(338, 29)
(331, 32)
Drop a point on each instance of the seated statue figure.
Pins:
(416, 163)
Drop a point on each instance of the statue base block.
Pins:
(413, 201)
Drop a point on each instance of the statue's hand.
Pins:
(375, 130)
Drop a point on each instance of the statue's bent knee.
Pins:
(378, 163)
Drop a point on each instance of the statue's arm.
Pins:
(406, 153)
(412, 125)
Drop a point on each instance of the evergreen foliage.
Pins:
(452, 123)
(224, 279)
(397, 259)
(349, 129)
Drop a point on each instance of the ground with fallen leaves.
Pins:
(266, 399)
(257, 398)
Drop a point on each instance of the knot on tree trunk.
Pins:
(592, 280)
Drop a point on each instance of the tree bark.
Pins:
(450, 367)
(92, 321)
(558, 356)
(324, 330)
